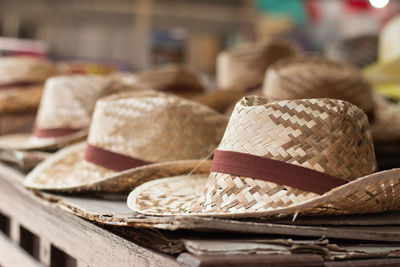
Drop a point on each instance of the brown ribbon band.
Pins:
(111, 160)
(53, 132)
(5, 86)
(270, 170)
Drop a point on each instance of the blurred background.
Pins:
(101, 35)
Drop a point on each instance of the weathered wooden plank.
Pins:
(365, 263)
(75, 236)
(15, 231)
(13, 255)
(45, 251)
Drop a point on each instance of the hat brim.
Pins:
(27, 141)
(20, 99)
(377, 192)
(380, 72)
(385, 125)
(67, 171)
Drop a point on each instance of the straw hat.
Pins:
(64, 113)
(358, 51)
(243, 67)
(175, 79)
(309, 156)
(134, 137)
(317, 77)
(387, 68)
(21, 82)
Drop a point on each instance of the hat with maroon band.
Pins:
(309, 156)
(64, 113)
(134, 137)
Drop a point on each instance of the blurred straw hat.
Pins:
(134, 137)
(309, 156)
(387, 68)
(64, 114)
(175, 79)
(243, 67)
(317, 77)
(21, 82)
(358, 51)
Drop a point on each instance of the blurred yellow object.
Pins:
(387, 68)
(390, 90)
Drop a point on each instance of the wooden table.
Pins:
(35, 234)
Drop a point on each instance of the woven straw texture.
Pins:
(314, 77)
(155, 127)
(67, 102)
(329, 136)
(317, 77)
(358, 51)
(175, 79)
(243, 67)
(23, 69)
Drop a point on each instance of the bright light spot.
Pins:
(379, 3)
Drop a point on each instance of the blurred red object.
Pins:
(358, 5)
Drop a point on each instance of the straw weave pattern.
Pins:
(317, 77)
(326, 135)
(178, 195)
(156, 127)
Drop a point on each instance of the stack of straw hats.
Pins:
(21, 82)
(64, 114)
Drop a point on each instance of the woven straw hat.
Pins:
(175, 79)
(134, 137)
(309, 156)
(21, 82)
(387, 68)
(358, 51)
(64, 113)
(243, 67)
(317, 77)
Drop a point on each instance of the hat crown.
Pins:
(68, 101)
(317, 77)
(25, 69)
(246, 64)
(154, 127)
(325, 135)
(389, 38)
